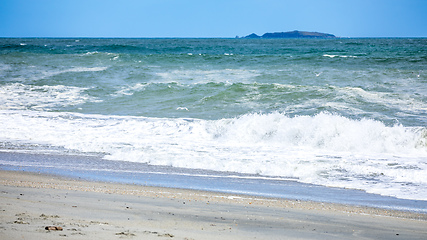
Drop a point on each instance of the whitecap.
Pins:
(90, 53)
(342, 56)
(83, 69)
(405, 102)
(47, 74)
(129, 90)
(182, 108)
(196, 76)
(324, 149)
(331, 56)
(21, 96)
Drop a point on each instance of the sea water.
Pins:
(345, 113)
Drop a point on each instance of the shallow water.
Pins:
(94, 168)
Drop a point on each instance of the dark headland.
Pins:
(293, 34)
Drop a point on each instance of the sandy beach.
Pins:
(74, 209)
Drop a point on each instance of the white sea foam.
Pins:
(38, 73)
(341, 56)
(21, 96)
(82, 69)
(96, 52)
(90, 53)
(112, 56)
(356, 100)
(391, 100)
(205, 76)
(51, 73)
(324, 149)
(130, 89)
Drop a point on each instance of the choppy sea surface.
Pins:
(345, 113)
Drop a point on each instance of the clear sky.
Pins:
(211, 18)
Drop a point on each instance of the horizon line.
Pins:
(236, 37)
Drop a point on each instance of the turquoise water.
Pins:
(339, 112)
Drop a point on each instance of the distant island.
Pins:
(293, 34)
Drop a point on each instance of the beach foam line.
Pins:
(45, 181)
(36, 206)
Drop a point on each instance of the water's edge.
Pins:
(94, 168)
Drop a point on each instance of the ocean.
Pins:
(335, 113)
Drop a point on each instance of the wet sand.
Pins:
(76, 209)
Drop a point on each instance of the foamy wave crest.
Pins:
(323, 131)
(33, 73)
(341, 56)
(75, 70)
(113, 56)
(205, 76)
(21, 96)
(84, 69)
(325, 149)
(405, 102)
(130, 89)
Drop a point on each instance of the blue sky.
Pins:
(206, 18)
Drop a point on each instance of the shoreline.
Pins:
(96, 169)
(31, 201)
(51, 181)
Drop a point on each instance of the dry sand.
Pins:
(31, 202)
